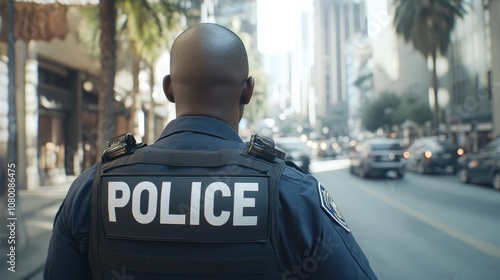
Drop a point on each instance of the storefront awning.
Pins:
(39, 19)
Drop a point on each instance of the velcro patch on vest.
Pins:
(192, 209)
(330, 207)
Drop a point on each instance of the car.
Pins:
(429, 154)
(481, 167)
(328, 148)
(378, 156)
(296, 151)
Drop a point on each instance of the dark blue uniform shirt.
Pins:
(315, 245)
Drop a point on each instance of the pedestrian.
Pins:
(200, 203)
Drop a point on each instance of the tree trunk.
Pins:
(437, 119)
(137, 105)
(107, 40)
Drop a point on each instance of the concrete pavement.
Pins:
(35, 211)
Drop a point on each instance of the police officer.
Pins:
(199, 203)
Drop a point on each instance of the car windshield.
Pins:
(386, 147)
(447, 146)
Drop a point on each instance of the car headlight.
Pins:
(428, 154)
(473, 163)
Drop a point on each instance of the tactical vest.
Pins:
(170, 214)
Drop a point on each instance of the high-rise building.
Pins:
(244, 12)
(335, 23)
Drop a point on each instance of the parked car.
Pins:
(296, 151)
(427, 155)
(481, 167)
(378, 157)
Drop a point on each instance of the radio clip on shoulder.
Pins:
(120, 145)
(263, 147)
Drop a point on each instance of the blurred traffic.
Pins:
(387, 156)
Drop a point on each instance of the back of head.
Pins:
(208, 71)
(208, 54)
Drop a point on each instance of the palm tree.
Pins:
(148, 28)
(145, 26)
(428, 25)
(107, 43)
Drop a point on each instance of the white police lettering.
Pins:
(165, 216)
(210, 204)
(240, 202)
(113, 201)
(195, 204)
(152, 201)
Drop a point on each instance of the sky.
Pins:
(277, 19)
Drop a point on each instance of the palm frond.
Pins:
(428, 24)
(89, 31)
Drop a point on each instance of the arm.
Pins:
(318, 246)
(67, 256)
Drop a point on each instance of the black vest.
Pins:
(170, 214)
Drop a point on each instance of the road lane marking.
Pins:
(478, 244)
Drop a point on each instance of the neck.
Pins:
(233, 122)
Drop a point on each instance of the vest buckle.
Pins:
(120, 145)
(263, 147)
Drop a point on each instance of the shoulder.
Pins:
(72, 219)
(81, 186)
(306, 196)
(312, 225)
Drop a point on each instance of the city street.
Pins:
(421, 227)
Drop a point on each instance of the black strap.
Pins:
(190, 158)
(94, 228)
(186, 266)
(275, 176)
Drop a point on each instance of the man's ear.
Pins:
(247, 90)
(167, 88)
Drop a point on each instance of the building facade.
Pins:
(472, 114)
(336, 22)
(56, 102)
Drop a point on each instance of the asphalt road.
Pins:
(420, 227)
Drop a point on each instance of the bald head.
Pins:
(208, 54)
(209, 73)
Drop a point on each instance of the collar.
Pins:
(201, 124)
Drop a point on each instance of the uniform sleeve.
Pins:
(68, 249)
(315, 246)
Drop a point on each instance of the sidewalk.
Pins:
(35, 212)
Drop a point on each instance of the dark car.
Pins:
(427, 155)
(481, 167)
(377, 157)
(296, 151)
